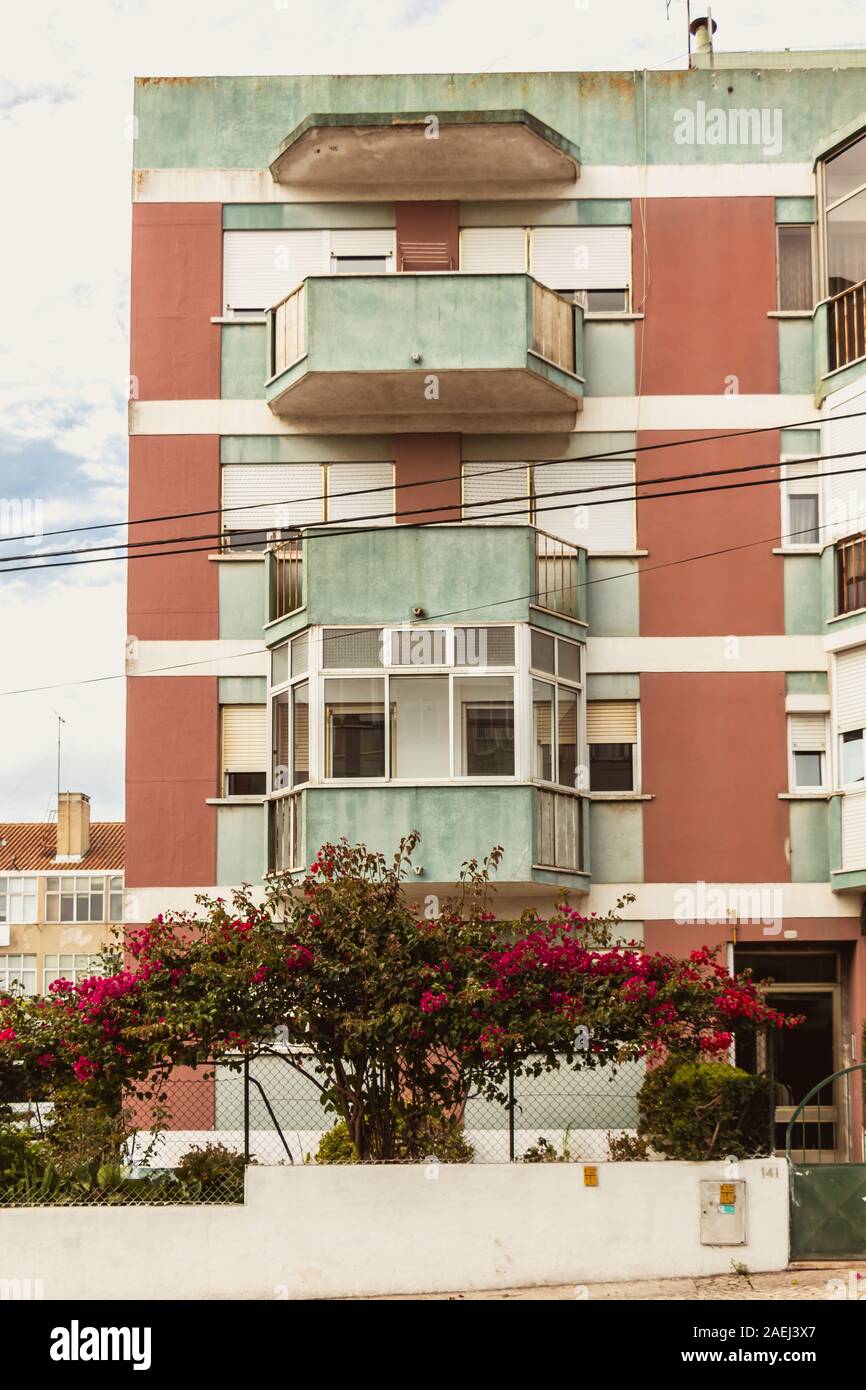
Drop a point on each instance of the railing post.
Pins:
(510, 1112)
(246, 1108)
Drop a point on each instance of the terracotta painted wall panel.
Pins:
(174, 597)
(711, 282)
(435, 456)
(171, 768)
(714, 760)
(738, 592)
(428, 222)
(176, 286)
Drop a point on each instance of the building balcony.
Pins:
(846, 326)
(425, 352)
(850, 575)
(421, 155)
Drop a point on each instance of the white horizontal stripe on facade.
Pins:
(221, 657)
(600, 414)
(765, 180)
(612, 655)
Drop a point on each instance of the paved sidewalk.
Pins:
(799, 1283)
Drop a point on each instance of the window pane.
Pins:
(803, 520)
(245, 784)
(484, 726)
(280, 769)
(420, 726)
(280, 664)
(542, 730)
(301, 733)
(566, 735)
(807, 769)
(360, 265)
(610, 767)
(352, 647)
(543, 648)
(846, 171)
(355, 728)
(606, 301)
(852, 757)
(846, 244)
(423, 646)
(301, 655)
(484, 646)
(568, 654)
(795, 268)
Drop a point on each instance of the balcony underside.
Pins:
(538, 397)
(419, 155)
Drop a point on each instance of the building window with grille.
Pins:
(612, 736)
(18, 895)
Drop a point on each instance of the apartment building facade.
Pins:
(482, 420)
(61, 896)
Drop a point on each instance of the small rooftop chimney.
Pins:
(703, 29)
(73, 825)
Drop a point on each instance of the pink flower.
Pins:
(8, 1035)
(84, 1068)
(431, 1003)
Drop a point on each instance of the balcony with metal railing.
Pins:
(846, 326)
(851, 574)
(425, 352)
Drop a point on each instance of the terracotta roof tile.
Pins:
(30, 847)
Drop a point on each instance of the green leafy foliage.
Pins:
(699, 1110)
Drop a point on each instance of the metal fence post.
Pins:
(771, 1073)
(246, 1107)
(510, 1112)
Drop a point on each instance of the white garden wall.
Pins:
(319, 1232)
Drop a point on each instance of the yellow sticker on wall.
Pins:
(590, 1176)
(727, 1194)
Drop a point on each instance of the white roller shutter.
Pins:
(244, 738)
(486, 484)
(271, 496)
(851, 689)
(260, 268)
(493, 250)
(845, 496)
(803, 479)
(607, 524)
(854, 830)
(345, 479)
(611, 721)
(364, 241)
(581, 258)
(808, 733)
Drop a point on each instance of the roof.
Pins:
(30, 847)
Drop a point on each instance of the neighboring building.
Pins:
(369, 303)
(61, 893)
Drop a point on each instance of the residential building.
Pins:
(495, 405)
(61, 896)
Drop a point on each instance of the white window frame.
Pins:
(7, 973)
(79, 972)
(787, 540)
(19, 878)
(76, 874)
(849, 786)
(555, 679)
(636, 757)
(817, 788)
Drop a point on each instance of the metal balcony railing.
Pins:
(557, 575)
(846, 326)
(287, 578)
(851, 574)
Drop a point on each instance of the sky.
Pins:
(65, 151)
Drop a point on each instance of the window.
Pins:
(17, 974)
(264, 501)
(359, 265)
(484, 726)
(244, 750)
(795, 267)
(595, 260)
(604, 301)
(555, 713)
(351, 647)
(355, 727)
(802, 522)
(17, 899)
(420, 726)
(808, 741)
(261, 267)
(611, 733)
(115, 899)
(586, 503)
(845, 196)
(852, 767)
(851, 575)
(70, 967)
(74, 898)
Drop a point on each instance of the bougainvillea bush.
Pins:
(399, 1013)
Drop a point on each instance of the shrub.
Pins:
(431, 1137)
(335, 1146)
(210, 1165)
(700, 1110)
(627, 1148)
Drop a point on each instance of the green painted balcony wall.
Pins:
(243, 361)
(616, 837)
(802, 593)
(608, 358)
(797, 375)
(242, 597)
(242, 847)
(810, 841)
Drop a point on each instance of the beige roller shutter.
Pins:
(364, 241)
(272, 496)
(581, 258)
(803, 479)
(260, 268)
(808, 733)
(492, 250)
(346, 479)
(244, 738)
(611, 721)
(485, 485)
(851, 689)
(596, 520)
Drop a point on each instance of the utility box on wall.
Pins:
(723, 1212)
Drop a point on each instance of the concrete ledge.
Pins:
(331, 1232)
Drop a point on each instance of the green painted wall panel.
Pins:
(306, 448)
(806, 683)
(609, 358)
(243, 361)
(796, 356)
(810, 848)
(613, 597)
(587, 212)
(613, 687)
(503, 448)
(243, 690)
(795, 210)
(242, 598)
(616, 841)
(800, 441)
(241, 844)
(802, 583)
(241, 217)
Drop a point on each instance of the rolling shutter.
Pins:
(260, 268)
(267, 496)
(803, 479)
(607, 525)
(854, 830)
(851, 690)
(486, 484)
(363, 241)
(581, 258)
(244, 738)
(347, 478)
(611, 721)
(846, 492)
(808, 733)
(493, 250)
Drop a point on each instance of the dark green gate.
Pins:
(828, 1200)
